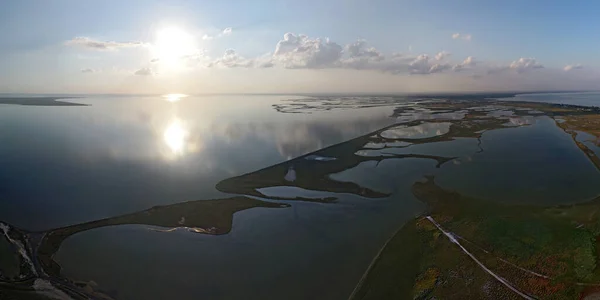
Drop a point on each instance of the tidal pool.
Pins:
(427, 114)
(455, 148)
(371, 145)
(424, 130)
(386, 176)
(294, 191)
(589, 141)
(519, 121)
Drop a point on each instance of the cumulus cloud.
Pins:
(522, 65)
(573, 67)
(467, 63)
(461, 36)
(300, 51)
(89, 43)
(359, 56)
(226, 31)
(144, 72)
(360, 49)
(422, 65)
(441, 55)
(232, 59)
(525, 64)
(88, 71)
(207, 37)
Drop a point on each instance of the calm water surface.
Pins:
(576, 98)
(537, 164)
(67, 165)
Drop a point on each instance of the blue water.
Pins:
(581, 98)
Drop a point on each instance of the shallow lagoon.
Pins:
(67, 165)
(420, 131)
(538, 163)
(116, 161)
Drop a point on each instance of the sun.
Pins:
(172, 44)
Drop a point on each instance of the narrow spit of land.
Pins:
(39, 101)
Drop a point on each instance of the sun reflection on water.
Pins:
(174, 97)
(175, 137)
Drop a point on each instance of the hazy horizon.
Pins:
(342, 94)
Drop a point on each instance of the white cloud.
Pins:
(226, 32)
(299, 51)
(441, 55)
(144, 72)
(359, 49)
(422, 65)
(437, 68)
(461, 36)
(88, 70)
(521, 65)
(101, 45)
(467, 63)
(525, 64)
(231, 59)
(358, 56)
(573, 67)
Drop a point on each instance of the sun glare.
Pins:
(174, 97)
(175, 136)
(172, 44)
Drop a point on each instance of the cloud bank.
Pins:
(299, 51)
(308, 54)
(89, 43)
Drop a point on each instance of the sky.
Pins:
(260, 46)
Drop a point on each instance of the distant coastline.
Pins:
(39, 101)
